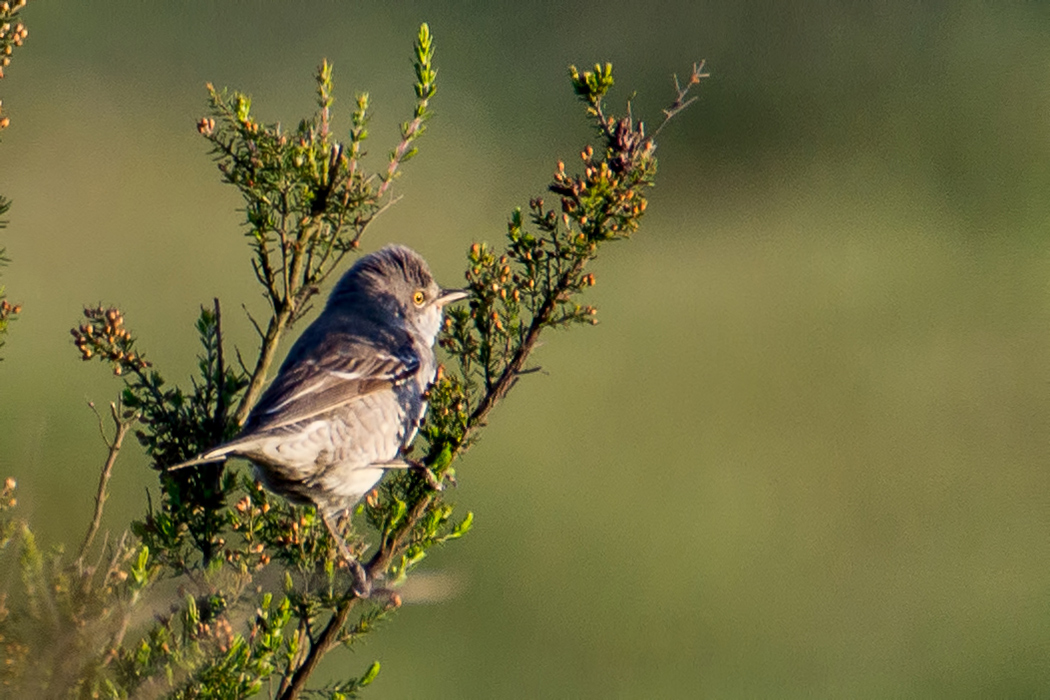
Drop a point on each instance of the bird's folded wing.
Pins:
(314, 386)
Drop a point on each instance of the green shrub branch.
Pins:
(223, 589)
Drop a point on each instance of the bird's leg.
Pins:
(362, 586)
(415, 465)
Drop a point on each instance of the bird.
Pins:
(351, 393)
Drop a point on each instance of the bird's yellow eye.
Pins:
(418, 298)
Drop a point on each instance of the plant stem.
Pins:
(103, 481)
(503, 384)
(329, 638)
(267, 351)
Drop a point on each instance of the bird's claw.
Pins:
(432, 481)
(362, 586)
(428, 476)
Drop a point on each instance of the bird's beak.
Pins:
(448, 296)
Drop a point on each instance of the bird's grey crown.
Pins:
(394, 271)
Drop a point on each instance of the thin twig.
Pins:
(515, 367)
(122, 427)
(220, 399)
(363, 225)
(267, 352)
(680, 101)
(240, 361)
(255, 324)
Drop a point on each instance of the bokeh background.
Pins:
(804, 454)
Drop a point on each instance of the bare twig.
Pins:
(363, 225)
(680, 101)
(255, 324)
(240, 361)
(122, 427)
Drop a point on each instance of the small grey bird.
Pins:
(350, 394)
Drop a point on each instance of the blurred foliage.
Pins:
(259, 593)
(12, 35)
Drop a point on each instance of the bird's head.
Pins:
(394, 284)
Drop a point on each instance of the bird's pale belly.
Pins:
(330, 460)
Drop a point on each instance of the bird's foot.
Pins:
(362, 586)
(430, 477)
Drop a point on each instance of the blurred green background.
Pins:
(805, 453)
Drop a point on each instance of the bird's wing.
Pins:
(327, 380)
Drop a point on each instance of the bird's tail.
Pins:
(219, 454)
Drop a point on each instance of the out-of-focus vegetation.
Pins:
(813, 463)
(12, 35)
